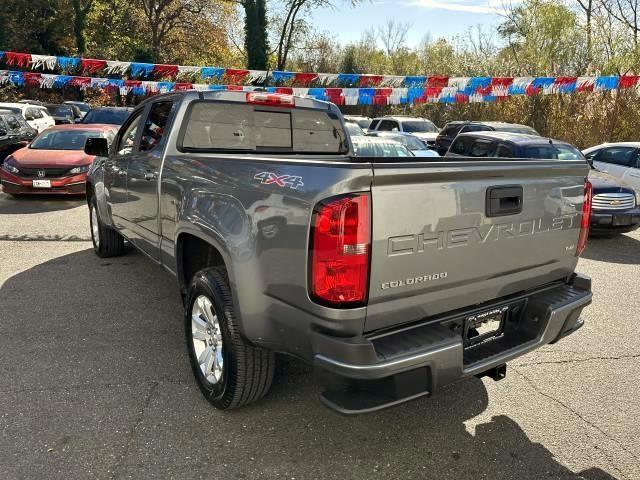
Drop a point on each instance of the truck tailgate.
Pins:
(448, 235)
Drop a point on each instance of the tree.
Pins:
(164, 17)
(587, 6)
(626, 12)
(80, 12)
(292, 25)
(255, 34)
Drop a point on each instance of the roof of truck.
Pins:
(517, 138)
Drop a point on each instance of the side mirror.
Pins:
(394, 129)
(3, 132)
(97, 147)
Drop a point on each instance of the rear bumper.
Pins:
(72, 185)
(370, 373)
(605, 221)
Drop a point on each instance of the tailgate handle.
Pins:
(504, 200)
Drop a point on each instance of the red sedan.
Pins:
(54, 162)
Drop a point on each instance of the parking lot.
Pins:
(95, 383)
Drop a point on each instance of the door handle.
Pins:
(504, 200)
(150, 176)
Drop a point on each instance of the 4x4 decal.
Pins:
(289, 181)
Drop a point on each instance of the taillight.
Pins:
(586, 218)
(339, 251)
(271, 99)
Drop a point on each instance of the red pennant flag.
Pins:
(182, 86)
(132, 83)
(432, 94)
(235, 75)
(32, 79)
(284, 90)
(79, 81)
(90, 65)
(18, 59)
(335, 95)
(370, 80)
(304, 79)
(628, 81)
(462, 98)
(437, 81)
(165, 71)
(235, 88)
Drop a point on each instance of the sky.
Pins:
(438, 18)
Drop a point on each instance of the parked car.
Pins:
(378, 147)
(614, 205)
(354, 130)
(622, 160)
(107, 115)
(36, 116)
(452, 129)
(62, 114)
(422, 128)
(15, 133)
(54, 162)
(511, 145)
(83, 107)
(362, 122)
(413, 143)
(392, 278)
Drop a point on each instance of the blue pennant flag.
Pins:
(61, 80)
(68, 63)
(348, 78)
(415, 81)
(212, 72)
(141, 70)
(365, 96)
(281, 77)
(606, 83)
(318, 93)
(16, 78)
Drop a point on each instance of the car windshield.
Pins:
(412, 143)
(60, 110)
(553, 152)
(380, 149)
(63, 139)
(354, 129)
(363, 123)
(111, 116)
(419, 126)
(83, 107)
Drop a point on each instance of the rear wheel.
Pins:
(230, 372)
(106, 241)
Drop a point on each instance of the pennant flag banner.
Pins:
(31, 70)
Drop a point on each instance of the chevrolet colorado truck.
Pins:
(392, 276)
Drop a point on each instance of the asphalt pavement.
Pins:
(95, 383)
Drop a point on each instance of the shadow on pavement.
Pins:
(25, 204)
(622, 249)
(107, 324)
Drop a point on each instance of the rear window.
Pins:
(230, 126)
(419, 126)
(553, 152)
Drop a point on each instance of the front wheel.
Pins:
(106, 241)
(230, 372)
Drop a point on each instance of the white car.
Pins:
(36, 116)
(621, 160)
(422, 128)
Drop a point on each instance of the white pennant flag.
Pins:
(117, 68)
(46, 62)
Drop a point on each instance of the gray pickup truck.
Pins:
(392, 276)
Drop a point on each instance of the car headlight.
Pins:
(80, 169)
(10, 166)
(637, 198)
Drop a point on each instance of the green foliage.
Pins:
(255, 26)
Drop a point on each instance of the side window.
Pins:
(387, 125)
(623, 156)
(459, 146)
(127, 139)
(591, 156)
(481, 148)
(37, 113)
(12, 122)
(504, 152)
(374, 124)
(3, 125)
(155, 125)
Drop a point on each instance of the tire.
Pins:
(246, 372)
(106, 241)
